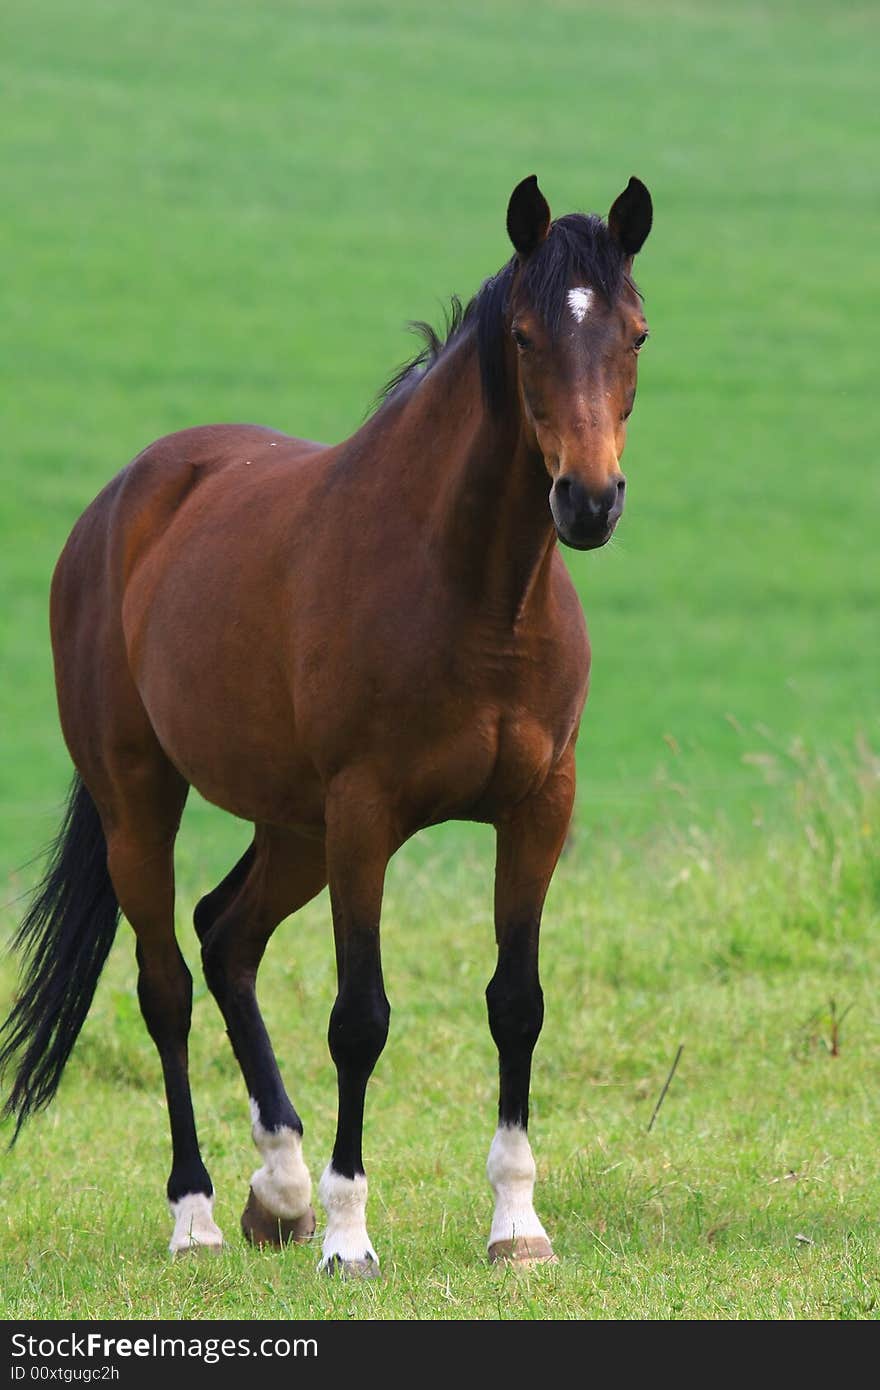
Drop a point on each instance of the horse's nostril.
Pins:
(579, 507)
(611, 500)
(570, 496)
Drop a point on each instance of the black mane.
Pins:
(432, 344)
(577, 247)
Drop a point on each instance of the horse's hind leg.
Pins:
(141, 809)
(278, 874)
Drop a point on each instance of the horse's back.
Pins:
(170, 472)
(140, 501)
(155, 506)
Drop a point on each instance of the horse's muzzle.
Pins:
(583, 519)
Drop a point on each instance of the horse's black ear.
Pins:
(528, 216)
(629, 220)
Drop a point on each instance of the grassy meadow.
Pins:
(220, 212)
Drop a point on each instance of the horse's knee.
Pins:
(211, 907)
(205, 914)
(359, 1029)
(219, 977)
(516, 1013)
(231, 955)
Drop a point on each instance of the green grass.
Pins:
(216, 211)
(227, 212)
(754, 1195)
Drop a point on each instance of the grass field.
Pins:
(224, 212)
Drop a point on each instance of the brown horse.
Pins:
(341, 645)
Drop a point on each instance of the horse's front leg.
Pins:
(359, 845)
(529, 844)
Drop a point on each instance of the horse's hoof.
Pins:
(261, 1228)
(194, 1225)
(367, 1268)
(523, 1250)
(196, 1247)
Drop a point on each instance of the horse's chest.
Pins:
(494, 742)
(475, 769)
(526, 749)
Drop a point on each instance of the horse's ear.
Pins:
(629, 220)
(528, 216)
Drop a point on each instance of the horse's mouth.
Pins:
(576, 539)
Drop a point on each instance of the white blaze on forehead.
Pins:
(579, 301)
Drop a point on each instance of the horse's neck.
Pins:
(480, 497)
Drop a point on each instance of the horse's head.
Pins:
(578, 324)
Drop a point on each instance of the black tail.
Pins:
(65, 939)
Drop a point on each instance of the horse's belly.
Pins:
(241, 765)
(228, 725)
(276, 788)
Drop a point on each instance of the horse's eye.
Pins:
(640, 341)
(520, 339)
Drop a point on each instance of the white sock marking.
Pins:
(345, 1202)
(283, 1184)
(194, 1223)
(579, 301)
(511, 1171)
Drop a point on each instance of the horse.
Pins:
(341, 644)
